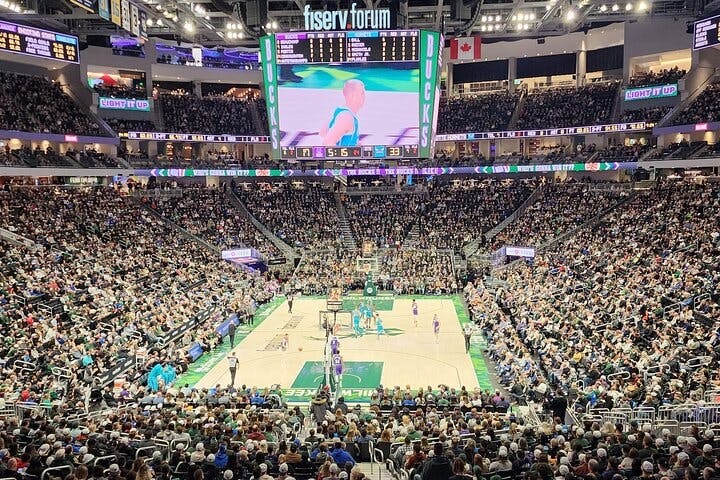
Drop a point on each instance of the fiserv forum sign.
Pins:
(353, 19)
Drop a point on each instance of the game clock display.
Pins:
(354, 94)
(339, 153)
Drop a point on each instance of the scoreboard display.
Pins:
(705, 32)
(353, 94)
(335, 47)
(36, 42)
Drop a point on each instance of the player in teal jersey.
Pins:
(343, 130)
(356, 323)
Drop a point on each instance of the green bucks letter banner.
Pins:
(267, 59)
(429, 50)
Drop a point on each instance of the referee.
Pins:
(232, 363)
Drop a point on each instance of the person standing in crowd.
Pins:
(438, 467)
(231, 334)
(415, 312)
(436, 328)
(232, 364)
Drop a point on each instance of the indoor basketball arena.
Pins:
(392, 240)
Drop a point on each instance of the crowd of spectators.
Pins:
(384, 220)
(569, 107)
(662, 77)
(595, 314)
(647, 114)
(705, 108)
(478, 113)
(401, 271)
(451, 436)
(123, 125)
(105, 285)
(208, 214)
(212, 115)
(460, 212)
(562, 207)
(91, 158)
(36, 104)
(604, 308)
(303, 216)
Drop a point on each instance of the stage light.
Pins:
(483, 18)
(514, 17)
(159, 22)
(603, 8)
(642, 6)
(628, 7)
(532, 16)
(189, 27)
(275, 25)
(615, 7)
(570, 16)
(149, 22)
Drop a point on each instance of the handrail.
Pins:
(62, 468)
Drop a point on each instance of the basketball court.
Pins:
(406, 354)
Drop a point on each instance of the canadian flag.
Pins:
(465, 48)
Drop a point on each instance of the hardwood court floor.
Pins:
(406, 355)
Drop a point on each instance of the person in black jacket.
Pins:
(438, 467)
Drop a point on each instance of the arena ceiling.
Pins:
(225, 22)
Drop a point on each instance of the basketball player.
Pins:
(335, 345)
(436, 328)
(415, 312)
(343, 129)
(285, 342)
(379, 327)
(337, 366)
(356, 323)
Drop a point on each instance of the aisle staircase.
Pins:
(288, 252)
(412, 239)
(346, 233)
(259, 127)
(175, 226)
(518, 110)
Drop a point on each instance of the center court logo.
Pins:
(353, 19)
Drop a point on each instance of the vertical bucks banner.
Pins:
(430, 49)
(267, 60)
(438, 82)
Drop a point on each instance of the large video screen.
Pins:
(334, 95)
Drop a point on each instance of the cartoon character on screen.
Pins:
(343, 129)
(379, 327)
(335, 345)
(337, 363)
